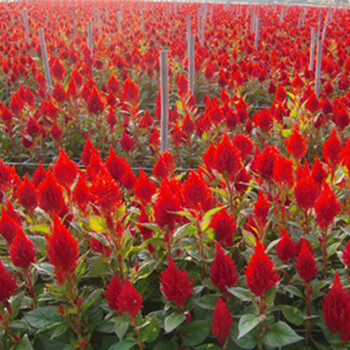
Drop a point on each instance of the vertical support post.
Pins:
(153, 16)
(257, 29)
(106, 14)
(191, 63)
(45, 61)
(142, 19)
(74, 23)
(26, 25)
(203, 28)
(164, 95)
(199, 22)
(119, 18)
(89, 33)
(312, 48)
(318, 68)
(188, 26)
(325, 28)
(99, 23)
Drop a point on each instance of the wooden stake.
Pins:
(45, 61)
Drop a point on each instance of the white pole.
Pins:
(26, 25)
(312, 48)
(164, 94)
(45, 61)
(89, 30)
(257, 29)
(191, 63)
(318, 68)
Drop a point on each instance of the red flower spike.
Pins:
(225, 227)
(296, 144)
(8, 284)
(129, 300)
(176, 285)
(8, 226)
(283, 171)
(39, 175)
(244, 145)
(62, 250)
(327, 207)
(223, 271)
(263, 162)
(260, 272)
(88, 150)
(226, 158)
(261, 209)
(346, 255)
(281, 94)
(50, 196)
(313, 104)
(331, 150)
(286, 248)
(97, 246)
(113, 84)
(58, 70)
(318, 172)
(129, 179)
(81, 194)
(164, 165)
(144, 219)
(27, 195)
(196, 192)
(222, 321)
(94, 103)
(306, 192)
(55, 131)
(127, 142)
(336, 310)
(306, 264)
(130, 91)
(22, 251)
(144, 188)
(65, 170)
(113, 292)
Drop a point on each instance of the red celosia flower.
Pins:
(223, 271)
(113, 84)
(129, 179)
(130, 91)
(144, 188)
(65, 170)
(226, 158)
(27, 194)
(331, 150)
(59, 94)
(244, 145)
(263, 120)
(296, 144)
(99, 247)
(113, 291)
(188, 125)
(58, 70)
(5, 176)
(88, 150)
(306, 192)
(144, 219)
(8, 284)
(224, 226)
(306, 264)
(286, 248)
(264, 162)
(129, 300)
(50, 196)
(39, 175)
(94, 103)
(55, 131)
(346, 255)
(327, 207)
(336, 310)
(62, 250)
(167, 204)
(95, 166)
(260, 272)
(127, 142)
(176, 285)
(196, 192)
(318, 172)
(261, 210)
(283, 171)
(8, 226)
(222, 321)
(163, 166)
(22, 251)
(242, 180)
(105, 191)
(281, 94)
(81, 194)
(116, 165)
(313, 104)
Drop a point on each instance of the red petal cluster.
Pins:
(225, 227)
(176, 285)
(222, 321)
(22, 251)
(8, 284)
(306, 264)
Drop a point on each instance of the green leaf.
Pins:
(292, 314)
(16, 302)
(208, 347)
(173, 321)
(241, 293)
(150, 331)
(165, 345)
(212, 212)
(247, 323)
(44, 317)
(152, 227)
(196, 332)
(293, 290)
(247, 342)
(97, 223)
(45, 269)
(44, 228)
(280, 334)
(120, 327)
(59, 330)
(91, 299)
(123, 345)
(99, 237)
(24, 344)
(207, 302)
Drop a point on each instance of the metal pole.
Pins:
(45, 61)
(164, 94)
(191, 63)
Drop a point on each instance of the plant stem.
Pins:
(139, 341)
